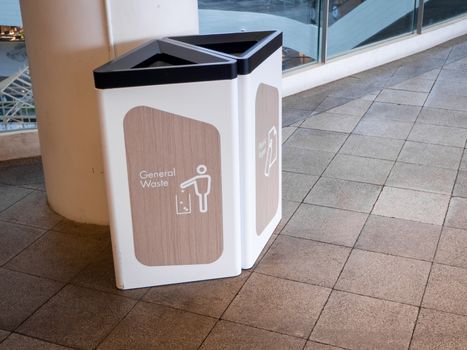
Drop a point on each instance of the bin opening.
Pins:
(162, 60)
(231, 48)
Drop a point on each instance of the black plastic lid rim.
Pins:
(267, 42)
(124, 72)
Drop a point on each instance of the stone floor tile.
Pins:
(463, 165)
(383, 128)
(3, 335)
(353, 107)
(422, 178)
(344, 194)
(324, 224)
(58, 256)
(371, 96)
(317, 140)
(453, 75)
(99, 232)
(287, 132)
(305, 101)
(360, 169)
(301, 160)
(412, 205)
(268, 245)
(22, 173)
(278, 305)
(415, 84)
(232, 336)
(447, 290)
(430, 75)
(437, 330)
(297, 124)
(209, 298)
(402, 97)
(77, 317)
(14, 238)
(431, 155)
(21, 295)
(391, 111)
(441, 100)
(440, 135)
(38, 212)
(332, 122)
(290, 258)
(372, 147)
(9, 195)
(358, 322)
(385, 277)
(296, 186)
(456, 216)
(100, 275)
(354, 89)
(457, 53)
(443, 117)
(288, 209)
(399, 237)
(460, 64)
(150, 326)
(452, 248)
(292, 115)
(460, 189)
(417, 67)
(331, 103)
(20, 342)
(311, 345)
(455, 88)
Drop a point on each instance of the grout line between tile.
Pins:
(439, 237)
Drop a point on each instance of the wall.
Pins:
(65, 41)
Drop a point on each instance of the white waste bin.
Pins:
(170, 137)
(259, 60)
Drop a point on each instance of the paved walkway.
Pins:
(371, 254)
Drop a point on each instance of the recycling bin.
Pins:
(169, 127)
(259, 63)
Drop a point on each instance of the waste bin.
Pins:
(170, 138)
(259, 62)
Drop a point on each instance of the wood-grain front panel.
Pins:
(267, 155)
(174, 173)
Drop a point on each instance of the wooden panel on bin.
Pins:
(174, 172)
(267, 155)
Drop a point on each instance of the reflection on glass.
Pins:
(441, 10)
(297, 19)
(356, 23)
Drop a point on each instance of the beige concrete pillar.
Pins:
(66, 40)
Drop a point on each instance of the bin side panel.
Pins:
(174, 174)
(267, 155)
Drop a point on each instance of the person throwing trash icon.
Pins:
(202, 186)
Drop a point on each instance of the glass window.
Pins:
(17, 109)
(356, 23)
(441, 10)
(297, 19)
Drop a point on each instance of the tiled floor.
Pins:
(371, 253)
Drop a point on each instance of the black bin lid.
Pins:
(250, 49)
(160, 62)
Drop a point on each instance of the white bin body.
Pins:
(175, 211)
(260, 116)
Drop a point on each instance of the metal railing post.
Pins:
(420, 13)
(324, 31)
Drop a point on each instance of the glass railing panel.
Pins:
(441, 10)
(357, 23)
(297, 19)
